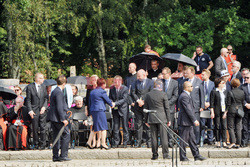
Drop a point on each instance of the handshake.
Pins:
(113, 105)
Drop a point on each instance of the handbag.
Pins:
(239, 110)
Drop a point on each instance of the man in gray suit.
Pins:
(170, 86)
(186, 121)
(158, 100)
(220, 62)
(198, 98)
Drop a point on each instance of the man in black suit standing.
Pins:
(158, 100)
(36, 101)
(246, 119)
(186, 121)
(154, 71)
(236, 70)
(58, 116)
(119, 95)
(198, 98)
(141, 87)
(170, 86)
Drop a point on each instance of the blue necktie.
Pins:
(225, 64)
(206, 88)
(141, 84)
(166, 85)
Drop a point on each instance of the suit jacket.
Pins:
(180, 84)
(198, 95)
(186, 115)
(152, 73)
(244, 87)
(33, 101)
(157, 100)
(120, 99)
(58, 106)
(129, 82)
(138, 93)
(219, 66)
(211, 86)
(172, 93)
(238, 76)
(239, 97)
(215, 101)
(98, 98)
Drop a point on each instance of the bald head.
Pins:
(141, 74)
(132, 68)
(223, 52)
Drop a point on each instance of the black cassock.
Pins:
(17, 135)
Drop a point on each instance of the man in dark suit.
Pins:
(170, 86)
(141, 87)
(186, 121)
(154, 71)
(236, 70)
(246, 118)
(182, 80)
(244, 73)
(158, 100)
(119, 95)
(220, 62)
(198, 97)
(208, 86)
(58, 116)
(36, 101)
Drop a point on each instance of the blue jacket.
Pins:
(58, 106)
(98, 98)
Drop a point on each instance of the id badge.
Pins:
(198, 68)
(223, 108)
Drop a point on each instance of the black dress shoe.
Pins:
(199, 158)
(185, 159)
(166, 157)
(36, 147)
(65, 159)
(154, 158)
(57, 160)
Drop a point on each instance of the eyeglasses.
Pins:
(17, 90)
(247, 77)
(229, 49)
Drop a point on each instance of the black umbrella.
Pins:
(179, 58)
(49, 82)
(77, 80)
(143, 60)
(7, 94)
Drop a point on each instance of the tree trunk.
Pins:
(101, 49)
(10, 47)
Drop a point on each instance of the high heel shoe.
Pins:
(106, 148)
(88, 146)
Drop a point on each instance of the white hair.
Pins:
(237, 64)
(78, 98)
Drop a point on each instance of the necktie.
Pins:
(166, 85)
(225, 63)
(141, 84)
(206, 88)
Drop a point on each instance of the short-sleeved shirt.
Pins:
(202, 62)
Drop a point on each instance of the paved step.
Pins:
(119, 153)
(128, 162)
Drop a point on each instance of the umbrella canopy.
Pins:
(77, 80)
(7, 94)
(179, 58)
(143, 60)
(49, 82)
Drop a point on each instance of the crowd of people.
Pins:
(187, 101)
